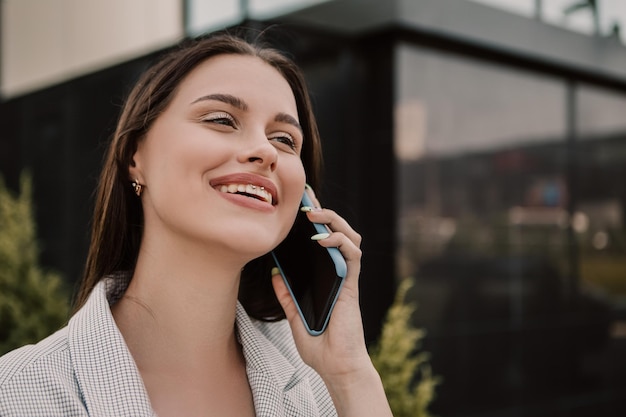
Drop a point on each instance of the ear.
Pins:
(135, 167)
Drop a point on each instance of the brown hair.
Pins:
(118, 217)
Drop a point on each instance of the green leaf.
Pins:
(405, 372)
(33, 302)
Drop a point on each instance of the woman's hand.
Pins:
(339, 355)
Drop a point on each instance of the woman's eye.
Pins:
(220, 118)
(286, 139)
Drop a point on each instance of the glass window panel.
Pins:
(601, 124)
(600, 112)
(483, 225)
(474, 140)
(473, 106)
(263, 9)
(600, 232)
(207, 15)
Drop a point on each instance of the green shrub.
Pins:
(33, 303)
(405, 372)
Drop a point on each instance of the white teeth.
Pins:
(248, 189)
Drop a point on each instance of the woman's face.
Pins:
(221, 164)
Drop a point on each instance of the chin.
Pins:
(254, 244)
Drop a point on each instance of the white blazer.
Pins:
(86, 369)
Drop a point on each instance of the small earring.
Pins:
(137, 187)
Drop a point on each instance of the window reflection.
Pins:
(514, 233)
(600, 112)
(601, 126)
(474, 143)
(472, 106)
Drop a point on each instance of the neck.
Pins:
(179, 309)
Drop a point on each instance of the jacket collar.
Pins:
(106, 373)
(111, 384)
(276, 374)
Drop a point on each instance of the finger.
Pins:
(335, 223)
(284, 298)
(282, 293)
(289, 307)
(346, 246)
(331, 219)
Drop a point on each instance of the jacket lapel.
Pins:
(111, 385)
(106, 373)
(277, 375)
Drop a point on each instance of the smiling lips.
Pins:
(249, 185)
(249, 190)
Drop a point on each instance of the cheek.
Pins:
(293, 180)
(296, 179)
(180, 154)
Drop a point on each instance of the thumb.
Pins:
(283, 295)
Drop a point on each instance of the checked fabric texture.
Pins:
(86, 369)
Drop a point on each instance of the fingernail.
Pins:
(275, 271)
(320, 236)
(308, 209)
(308, 187)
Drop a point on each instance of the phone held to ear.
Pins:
(313, 274)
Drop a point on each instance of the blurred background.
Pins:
(478, 146)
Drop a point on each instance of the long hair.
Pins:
(118, 216)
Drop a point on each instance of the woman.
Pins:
(202, 179)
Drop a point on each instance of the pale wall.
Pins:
(48, 41)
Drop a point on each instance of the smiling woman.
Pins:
(178, 312)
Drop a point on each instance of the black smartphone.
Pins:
(313, 274)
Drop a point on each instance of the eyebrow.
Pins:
(241, 105)
(286, 118)
(224, 98)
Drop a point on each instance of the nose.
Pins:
(259, 151)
